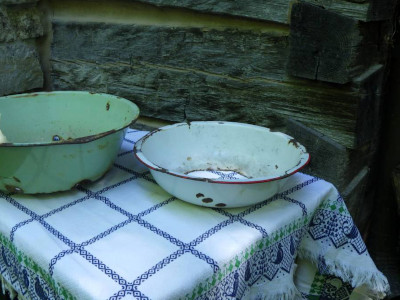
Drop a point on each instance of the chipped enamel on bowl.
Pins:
(56, 140)
(220, 164)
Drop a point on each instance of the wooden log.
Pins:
(359, 199)
(329, 47)
(372, 10)
(234, 53)
(329, 159)
(171, 73)
(369, 85)
(347, 169)
(171, 95)
(19, 23)
(20, 68)
(279, 10)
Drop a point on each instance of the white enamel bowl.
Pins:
(220, 164)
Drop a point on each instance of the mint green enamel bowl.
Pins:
(56, 140)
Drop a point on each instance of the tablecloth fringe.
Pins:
(356, 275)
(7, 287)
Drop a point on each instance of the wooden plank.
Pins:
(172, 94)
(359, 199)
(329, 47)
(329, 159)
(347, 169)
(369, 85)
(242, 54)
(20, 68)
(19, 23)
(279, 10)
(269, 10)
(172, 72)
(373, 10)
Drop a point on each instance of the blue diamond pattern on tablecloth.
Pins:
(73, 220)
(123, 237)
(198, 218)
(146, 195)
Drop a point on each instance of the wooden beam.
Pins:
(205, 75)
(279, 10)
(330, 47)
(369, 85)
(359, 198)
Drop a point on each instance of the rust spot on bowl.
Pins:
(220, 205)
(199, 195)
(108, 106)
(102, 146)
(13, 189)
(294, 142)
(27, 95)
(83, 182)
(16, 179)
(208, 200)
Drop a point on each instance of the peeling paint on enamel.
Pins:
(276, 152)
(56, 148)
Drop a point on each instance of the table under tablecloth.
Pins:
(123, 237)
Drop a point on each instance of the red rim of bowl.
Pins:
(304, 160)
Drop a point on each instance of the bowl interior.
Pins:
(53, 116)
(223, 150)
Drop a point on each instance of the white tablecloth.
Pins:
(123, 237)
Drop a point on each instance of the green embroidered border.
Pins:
(32, 265)
(339, 207)
(244, 256)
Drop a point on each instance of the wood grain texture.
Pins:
(359, 198)
(20, 68)
(329, 47)
(175, 94)
(330, 160)
(19, 23)
(369, 116)
(279, 10)
(242, 54)
(172, 73)
(347, 169)
(12, 2)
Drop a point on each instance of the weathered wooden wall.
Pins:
(20, 26)
(279, 10)
(312, 68)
